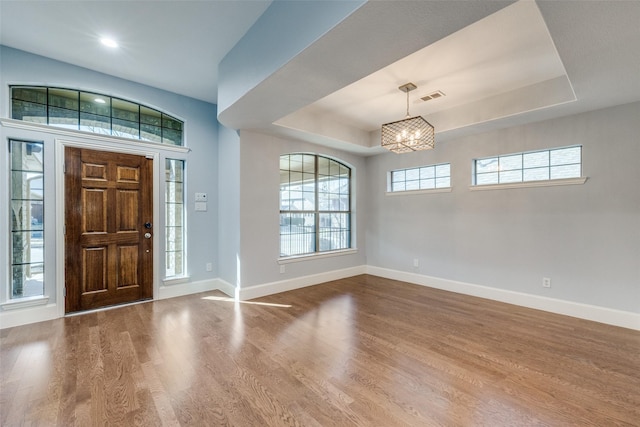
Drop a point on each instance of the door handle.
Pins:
(147, 235)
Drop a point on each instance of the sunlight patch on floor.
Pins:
(227, 299)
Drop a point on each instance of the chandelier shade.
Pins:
(409, 134)
(405, 136)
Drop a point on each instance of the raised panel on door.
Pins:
(127, 266)
(94, 172)
(94, 210)
(94, 267)
(127, 210)
(108, 198)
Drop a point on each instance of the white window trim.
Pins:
(415, 192)
(526, 184)
(319, 255)
(337, 252)
(175, 280)
(151, 107)
(184, 277)
(12, 303)
(26, 302)
(533, 183)
(89, 136)
(389, 191)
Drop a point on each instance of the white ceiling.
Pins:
(345, 84)
(499, 63)
(472, 64)
(172, 45)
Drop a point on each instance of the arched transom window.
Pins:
(315, 204)
(93, 112)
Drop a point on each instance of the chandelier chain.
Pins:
(408, 115)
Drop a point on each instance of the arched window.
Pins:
(315, 204)
(92, 112)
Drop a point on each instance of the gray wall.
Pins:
(284, 30)
(18, 67)
(229, 204)
(259, 210)
(586, 238)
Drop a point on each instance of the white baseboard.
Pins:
(605, 315)
(298, 282)
(609, 316)
(9, 319)
(29, 315)
(187, 288)
(227, 288)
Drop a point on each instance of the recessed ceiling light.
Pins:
(100, 101)
(108, 42)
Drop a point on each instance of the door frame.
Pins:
(104, 145)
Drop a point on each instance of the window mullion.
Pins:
(27, 218)
(47, 106)
(538, 165)
(175, 221)
(330, 227)
(316, 204)
(23, 99)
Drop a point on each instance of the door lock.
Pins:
(147, 225)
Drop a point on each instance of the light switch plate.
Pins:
(201, 206)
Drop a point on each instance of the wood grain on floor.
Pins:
(362, 351)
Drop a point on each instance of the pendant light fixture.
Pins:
(409, 134)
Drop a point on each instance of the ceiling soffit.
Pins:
(500, 66)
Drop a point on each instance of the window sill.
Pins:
(545, 183)
(412, 192)
(309, 257)
(175, 280)
(21, 303)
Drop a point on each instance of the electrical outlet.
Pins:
(209, 266)
(282, 269)
(546, 282)
(416, 262)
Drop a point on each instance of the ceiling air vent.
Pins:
(434, 95)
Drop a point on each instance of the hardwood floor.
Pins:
(361, 351)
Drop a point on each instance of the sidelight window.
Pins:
(27, 218)
(315, 205)
(174, 218)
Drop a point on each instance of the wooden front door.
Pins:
(108, 228)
